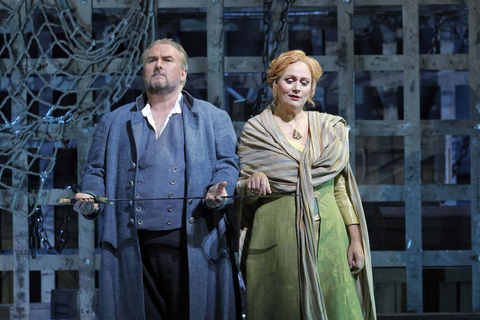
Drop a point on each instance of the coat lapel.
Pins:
(191, 129)
(138, 123)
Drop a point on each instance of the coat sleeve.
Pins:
(93, 173)
(226, 167)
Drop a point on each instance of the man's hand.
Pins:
(214, 199)
(85, 204)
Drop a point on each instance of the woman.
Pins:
(306, 249)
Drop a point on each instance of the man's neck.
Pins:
(163, 102)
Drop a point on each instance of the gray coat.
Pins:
(111, 171)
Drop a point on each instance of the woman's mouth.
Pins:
(294, 97)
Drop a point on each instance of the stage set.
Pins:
(404, 74)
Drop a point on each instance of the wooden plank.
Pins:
(243, 64)
(48, 262)
(444, 192)
(86, 228)
(346, 75)
(328, 63)
(48, 284)
(413, 207)
(380, 2)
(387, 259)
(381, 193)
(430, 316)
(448, 127)
(215, 53)
(474, 81)
(379, 62)
(381, 128)
(21, 266)
(250, 64)
(448, 258)
(443, 61)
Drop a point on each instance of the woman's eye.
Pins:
(305, 84)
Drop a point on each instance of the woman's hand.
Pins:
(355, 256)
(356, 259)
(258, 184)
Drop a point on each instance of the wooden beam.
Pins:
(215, 53)
(413, 207)
(474, 74)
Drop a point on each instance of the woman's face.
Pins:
(293, 88)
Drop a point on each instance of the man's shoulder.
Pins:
(202, 106)
(119, 112)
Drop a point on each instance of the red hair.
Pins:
(280, 65)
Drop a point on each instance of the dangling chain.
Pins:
(262, 97)
(38, 234)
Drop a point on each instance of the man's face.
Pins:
(162, 71)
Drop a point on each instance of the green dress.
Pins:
(272, 263)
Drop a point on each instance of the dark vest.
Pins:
(161, 174)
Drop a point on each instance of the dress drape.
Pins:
(264, 148)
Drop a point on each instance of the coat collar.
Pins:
(143, 99)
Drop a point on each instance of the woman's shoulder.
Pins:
(323, 117)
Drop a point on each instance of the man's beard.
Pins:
(159, 88)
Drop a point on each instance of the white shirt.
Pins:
(147, 113)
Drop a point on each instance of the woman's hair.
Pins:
(280, 65)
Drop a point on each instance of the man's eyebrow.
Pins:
(151, 57)
(167, 57)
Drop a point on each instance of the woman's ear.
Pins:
(275, 90)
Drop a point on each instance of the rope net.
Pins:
(55, 74)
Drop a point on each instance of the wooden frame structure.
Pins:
(414, 259)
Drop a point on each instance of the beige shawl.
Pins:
(264, 148)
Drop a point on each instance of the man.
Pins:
(164, 259)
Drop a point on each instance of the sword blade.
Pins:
(201, 198)
(110, 201)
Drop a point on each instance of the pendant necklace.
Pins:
(296, 134)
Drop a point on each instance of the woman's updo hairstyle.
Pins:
(280, 65)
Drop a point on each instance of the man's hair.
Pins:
(280, 65)
(181, 51)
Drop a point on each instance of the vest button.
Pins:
(138, 209)
(190, 201)
(192, 220)
(169, 222)
(172, 182)
(170, 209)
(171, 195)
(131, 221)
(130, 203)
(131, 184)
(175, 169)
(140, 222)
(133, 165)
(137, 195)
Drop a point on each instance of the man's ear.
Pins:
(184, 76)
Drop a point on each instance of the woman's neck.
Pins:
(288, 115)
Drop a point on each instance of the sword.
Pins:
(111, 201)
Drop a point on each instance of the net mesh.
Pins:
(55, 74)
